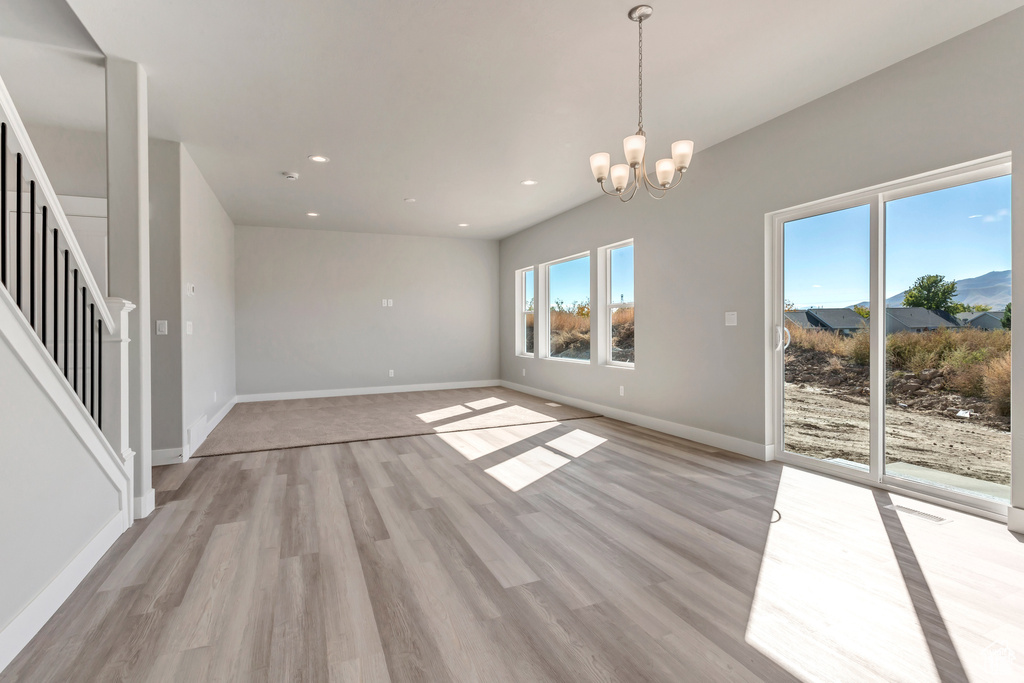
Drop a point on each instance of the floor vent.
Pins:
(917, 513)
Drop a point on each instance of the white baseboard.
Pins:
(196, 434)
(358, 391)
(750, 449)
(166, 456)
(145, 504)
(26, 625)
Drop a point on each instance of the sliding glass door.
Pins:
(892, 313)
(826, 350)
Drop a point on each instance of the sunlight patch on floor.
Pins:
(554, 405)
(522, 470)
(497, 418)
(481, 442)
(443, 413)
(828, 567)
(576, 443)
(486, 403)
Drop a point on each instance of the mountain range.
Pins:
(991, 289)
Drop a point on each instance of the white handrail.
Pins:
(20, 142)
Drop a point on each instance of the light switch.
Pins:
(391, 302)
(188, 327)
(161, 327)
(730, 318)
(384, 303)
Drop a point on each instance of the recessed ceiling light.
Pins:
(463, 225)
(409, 200)
(319, 158)
(528, 182)
(312, 214)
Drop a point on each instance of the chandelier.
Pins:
(635, 146)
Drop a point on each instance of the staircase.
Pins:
(66, 489)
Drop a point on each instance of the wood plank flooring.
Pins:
(613, 553)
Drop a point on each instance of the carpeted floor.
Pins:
(269, 425)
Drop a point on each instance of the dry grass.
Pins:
(570, 335)
(974, 362)
(997, 384)
(820, 340)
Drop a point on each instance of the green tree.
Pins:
(934, 293)
(862, 311)
(1006, 317)
(980, 308)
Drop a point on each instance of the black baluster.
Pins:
(56, 308)
(3, 203)
(67, 279)
(85, 339)
(92, 358)
(17, 232)
(74, 333)
(32, 254)
(99, 373)
(42, 282)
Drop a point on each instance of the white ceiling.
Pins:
(454, 103)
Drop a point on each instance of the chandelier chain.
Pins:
(640, 119)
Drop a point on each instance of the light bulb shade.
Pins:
(634, 146)
(599, 165)
(682, 152)
(620, 176)
(666, 169)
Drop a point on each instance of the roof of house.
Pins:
(798, 317)
(837, 318)
(920, 318)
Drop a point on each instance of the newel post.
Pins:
(115, 391)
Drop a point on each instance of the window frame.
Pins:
(521, 279)
(545, 273)
(607, 305)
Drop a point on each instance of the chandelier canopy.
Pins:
(635, 146)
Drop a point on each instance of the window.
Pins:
(569, 309)
(620, 304)
(527, 300)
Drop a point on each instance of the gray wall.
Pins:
(165, 290)
(75, 160)
(310, 316)
(208, 262)
(54, 498)
(701, 251)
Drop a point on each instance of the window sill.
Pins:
(577, 361)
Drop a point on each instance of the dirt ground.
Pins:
(828, 419)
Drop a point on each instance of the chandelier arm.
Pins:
(610, 194)
(650, 192)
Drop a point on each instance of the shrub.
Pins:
(997, 384)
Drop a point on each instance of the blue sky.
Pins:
(959, 232)
(570, 280)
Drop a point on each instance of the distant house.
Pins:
(987, 320)
(842, 320)
(798, 318)
(917, 320)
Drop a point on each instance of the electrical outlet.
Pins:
(391, 302)
(161, 327)
(622, 391)
(384, 303)
(188, 327)
(730, 318)
(524, 372)
(215, 397)
(391, 373)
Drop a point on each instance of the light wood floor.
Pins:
(637, 557)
